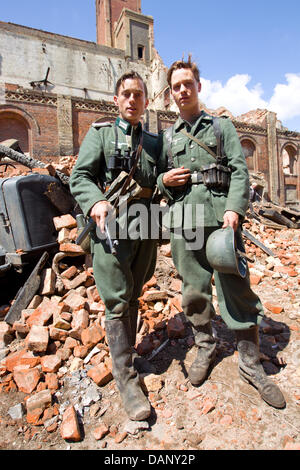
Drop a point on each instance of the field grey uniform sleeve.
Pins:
(84, 177)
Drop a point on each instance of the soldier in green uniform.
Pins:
(120, 278)
(185, 184)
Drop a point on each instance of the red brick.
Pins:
(64, 221)
(100, 374)
(273, 307)
(100, 432)
(69, 428)
(22, 357)
(93, 294)
(57, 333)
(50, 363)
(41, 399)
(51, 381)
(175, 328)
(33, 417)
(64, 236)
(43, 313)
(26, 379)
(75, 301)
(80, 351)
(71, 248)
(69, 273)
(47, 285)
(38, 338)
(21, 327)
(92, 335)
(76, 282)
(255, 279)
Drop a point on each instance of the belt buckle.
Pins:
(194, 178)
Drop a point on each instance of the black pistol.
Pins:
(91, 225)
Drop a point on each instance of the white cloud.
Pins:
(238, 97)
(235, 95)
(286, 98)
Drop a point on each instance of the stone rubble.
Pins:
(60, 342)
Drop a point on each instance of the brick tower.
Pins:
(107, 14)
(121, 25)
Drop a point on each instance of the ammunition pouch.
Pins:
(216, 176)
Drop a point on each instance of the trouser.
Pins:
(120, 279)
(240, 307)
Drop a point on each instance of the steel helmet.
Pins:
(225, 252)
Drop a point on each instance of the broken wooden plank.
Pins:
(277, 217)
(26, 293)
(258, 243)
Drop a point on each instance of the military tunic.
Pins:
(239, 306)
(119, 279)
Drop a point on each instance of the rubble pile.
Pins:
(59, 341)
(63, 331)
(60, 337)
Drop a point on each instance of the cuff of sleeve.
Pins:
(92, 202)
(163, 189)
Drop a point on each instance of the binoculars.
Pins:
(119, 162)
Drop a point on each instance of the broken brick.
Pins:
(92, 335)
(100, 374)
(38, 338)
(50, 363)
(64, 221)
(47, 284)
(69, 428)
(26, 379)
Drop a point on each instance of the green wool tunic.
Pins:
(239, 306)
(119, 278)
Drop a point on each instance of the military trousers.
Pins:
(240, 307)
(120, 279)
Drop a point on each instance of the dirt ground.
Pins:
(222, 414)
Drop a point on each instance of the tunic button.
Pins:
(193, 159)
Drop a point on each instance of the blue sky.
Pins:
(248, 52)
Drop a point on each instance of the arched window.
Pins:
(289, 159)
(14, 126)
(249, 152)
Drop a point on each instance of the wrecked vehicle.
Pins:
(26, 220)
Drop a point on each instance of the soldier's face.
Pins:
(131, 100)
(185, 89)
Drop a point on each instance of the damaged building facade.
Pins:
(52, 88)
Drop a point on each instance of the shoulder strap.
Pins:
(218, 135)
(169, 138)
(190, 136)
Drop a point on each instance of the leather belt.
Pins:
(145, 193)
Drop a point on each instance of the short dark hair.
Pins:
(132, 74)
(181, 64)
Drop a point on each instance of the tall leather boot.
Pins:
(140, 364)
(206, 353)
(251, 370)
(135, 402)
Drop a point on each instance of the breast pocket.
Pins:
(178, 152)
(147, 171)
